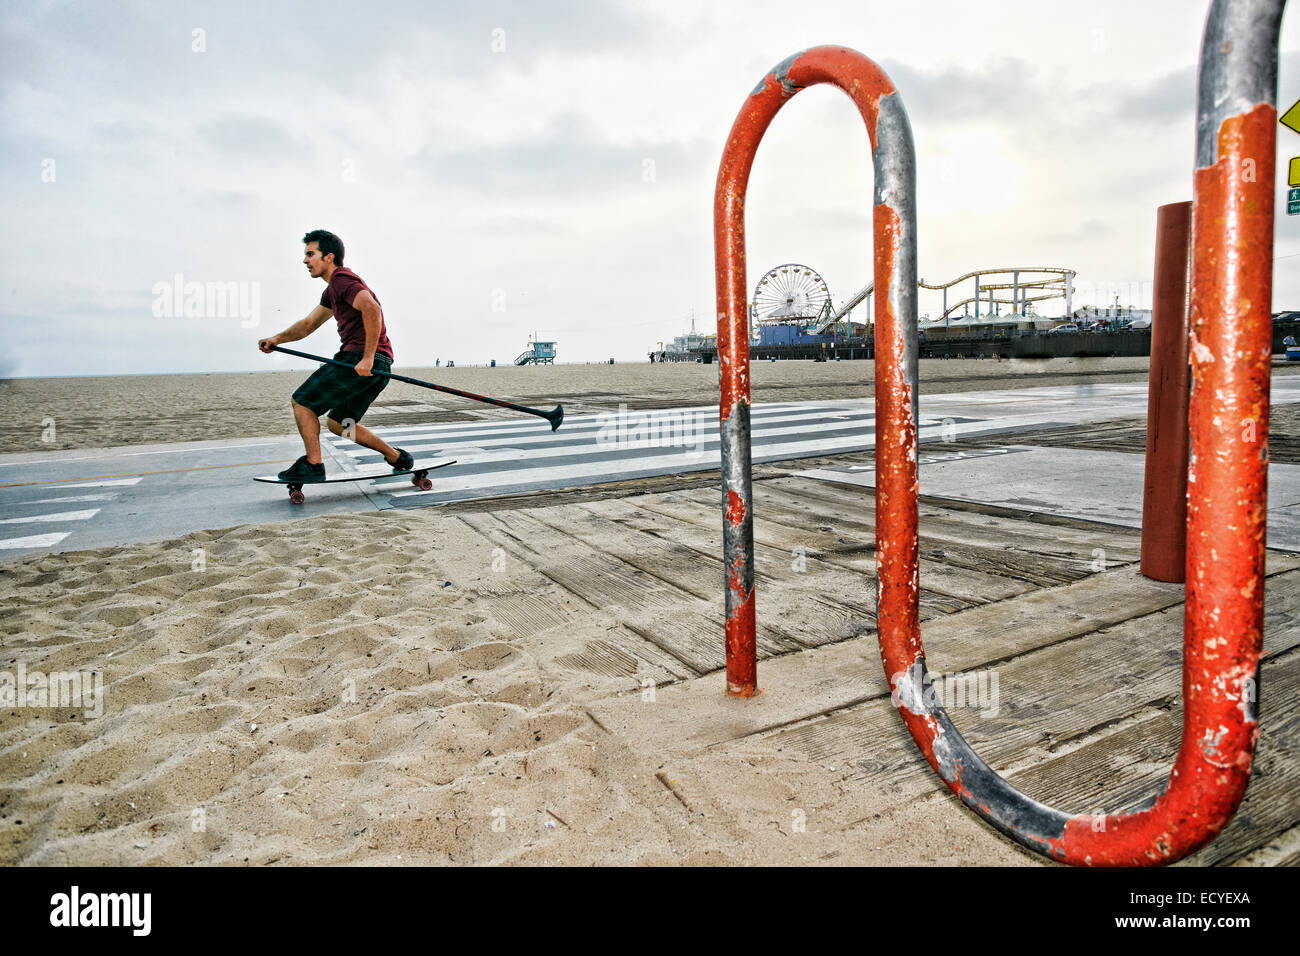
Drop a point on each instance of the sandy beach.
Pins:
(538, 681)
(369, 690)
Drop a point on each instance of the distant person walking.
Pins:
(344, 394)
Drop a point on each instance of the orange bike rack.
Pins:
(1230, 352)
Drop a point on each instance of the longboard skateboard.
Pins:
(419, 478)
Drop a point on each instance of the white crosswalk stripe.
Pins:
(611, 470)
(56, 516)
(688, 438)
(33, 541)
(50, 540)
(613, 446)
(610, 445)
(68, 499)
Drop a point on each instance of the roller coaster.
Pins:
(1048, 282)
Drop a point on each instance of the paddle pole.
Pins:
(555, 416)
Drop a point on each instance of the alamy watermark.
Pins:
(179, 299)
(129, 910)
(26, 688)
(921, 691)
(670, 428)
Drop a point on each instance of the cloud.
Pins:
(1082, 231)
(1166, 99)
(503, 144)
(20, 61)
(532, 30)
(246, 133)
(569, 156)
(235, 199)
(998, 90)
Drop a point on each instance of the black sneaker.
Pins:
(304, 471)
(404, 461)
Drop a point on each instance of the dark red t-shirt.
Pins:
(339, 294)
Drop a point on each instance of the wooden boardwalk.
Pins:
(1087, 653)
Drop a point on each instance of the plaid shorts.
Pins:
(341, 391)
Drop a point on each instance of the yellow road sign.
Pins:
(1293, 172)
(1291, 118)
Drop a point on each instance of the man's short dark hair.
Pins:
(326, 242)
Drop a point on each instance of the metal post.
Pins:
(893, 157)
(1227, 494)
(1164, 487)
(1227, 499)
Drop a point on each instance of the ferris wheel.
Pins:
(789, 294)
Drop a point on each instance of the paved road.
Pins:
(59, 501)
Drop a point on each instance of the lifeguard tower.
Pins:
(538, 353)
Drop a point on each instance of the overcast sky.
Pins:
(496, 168)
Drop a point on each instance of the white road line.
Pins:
(69, 498)
(707, 429)
(113, 452)
(604, 468)
(577, 422)
(34, 541)
(595, 449)
(601, 467)
(56, 516)
(101, 484)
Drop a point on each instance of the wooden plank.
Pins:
(1035, 569)
(831, 678)
(529, 603)
(677, 622)
(972, 551)
(527, 614)
(1024, 545)
(625, 597)
(686, 568)
(670, 518)
(780, 525)
(994, 531)
(833, 592)
(1124, 769)
(1281, 850)
(600, 580)
(621, 652)
(1093, 724)
(830, 585)
(814, 607)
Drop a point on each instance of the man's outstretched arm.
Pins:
(299, 330)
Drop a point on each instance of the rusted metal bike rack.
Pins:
(895, 273)
(1230, 346)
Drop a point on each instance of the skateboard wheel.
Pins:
(426, 484)
(297, 497)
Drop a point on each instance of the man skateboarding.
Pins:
(344, 393)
